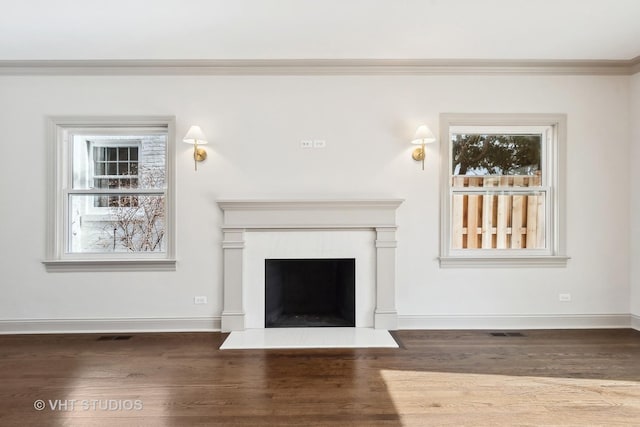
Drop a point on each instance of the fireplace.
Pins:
(310, 293)
(311, 229)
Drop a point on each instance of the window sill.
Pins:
(558, 261)
(119, 265)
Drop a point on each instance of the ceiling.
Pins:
(322, 29)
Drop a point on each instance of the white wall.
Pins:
(255, 124)
(635, 200)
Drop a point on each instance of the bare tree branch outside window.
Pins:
(137, 221)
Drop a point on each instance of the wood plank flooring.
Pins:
(436, 378)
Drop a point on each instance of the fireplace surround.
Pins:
(253, 216)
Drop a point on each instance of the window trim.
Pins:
(57, 257)
(556, 252)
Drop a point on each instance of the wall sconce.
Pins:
(423, 136)
(195, 136)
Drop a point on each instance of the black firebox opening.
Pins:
(310, 292)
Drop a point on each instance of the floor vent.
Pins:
(114, 337)
(506, 334)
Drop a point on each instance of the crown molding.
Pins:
(318, 67)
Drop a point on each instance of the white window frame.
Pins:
(59, 188)
(554, 175)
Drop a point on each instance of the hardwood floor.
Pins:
(439, 378)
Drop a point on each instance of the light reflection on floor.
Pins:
(459, 399)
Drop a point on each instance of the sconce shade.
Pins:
(423, 136)
(195, 136)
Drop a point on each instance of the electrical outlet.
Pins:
(306, 143)
(564, 297)
(319, 143)
(200, 300)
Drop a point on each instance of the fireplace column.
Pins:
(233, 250)
(386, 315)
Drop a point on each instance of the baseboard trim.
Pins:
(532, 321)
(79, 326)
(213, 324)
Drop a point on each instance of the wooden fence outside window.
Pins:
(502, 215)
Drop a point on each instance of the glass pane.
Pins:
(114, 202)
(133, 153)
(132, 223)
(498, 220)
(133, 168)
(99, 154)
(101, 201)
(112, 168)
(111, 154)
(485, 154)
(123, 154)
(99, 169)
(100, 183)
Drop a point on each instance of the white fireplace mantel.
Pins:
(242, 216)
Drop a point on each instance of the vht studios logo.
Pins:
(88, 405)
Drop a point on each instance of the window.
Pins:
(111, 199)
(115, 166)
(502, 198)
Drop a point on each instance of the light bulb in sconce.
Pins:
(423, 136)
(196, 137)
